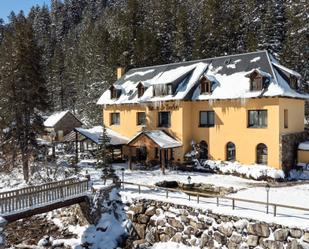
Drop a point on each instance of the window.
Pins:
(257, 119)
(164, 119)
(203, 150)
(115, 118)
(114, 92)
(140, 90)
(261, 154)
(205, 86)
(207, 119)
(141, 118)
(286, 119)
(163, 90)
(230, 151)
(293, 82)
(257, 83)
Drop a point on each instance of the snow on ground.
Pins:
(150, 177)
(247, 189)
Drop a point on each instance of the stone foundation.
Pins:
(155, 221)
(288, 148)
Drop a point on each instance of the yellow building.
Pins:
(245, 108)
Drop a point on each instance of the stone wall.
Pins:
(288, 148)
(3, 223)
(155, 221)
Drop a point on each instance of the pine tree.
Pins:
(103, 157)
(23, 91)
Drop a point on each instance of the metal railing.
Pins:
(35, 196)
(233, 200)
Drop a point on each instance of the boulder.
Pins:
(140, 230)
(164, 237)
(259, 229)
(150, 211)
(143, 218)
(189, 230)
(177, 238)
(151, 235)
(240, 225)
(232, 245)
(170, 231)
(236, 238)
(138, 208)
(281, 234)
(306, 237)
(294, 245)
(176, 223)
(220, 238)
(139, 243)
(252, 240)
(296, 233)
(272, 244)
(206, 241)
(226, 229)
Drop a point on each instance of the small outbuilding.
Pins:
(59, 124)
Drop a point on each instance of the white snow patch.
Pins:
(54, 118)
(255, 59)
(304, 146)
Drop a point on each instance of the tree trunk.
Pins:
(25, 160)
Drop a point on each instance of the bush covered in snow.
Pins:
(256, 171)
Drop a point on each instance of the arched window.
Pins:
(261, 154)
(230, 151)
(203, 150)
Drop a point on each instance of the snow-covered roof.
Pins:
(162, 139)
(53, 119)
(229, 73)
(304, 146)
(94, 134)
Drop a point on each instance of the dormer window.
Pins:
(205, 85)
(115, 93)
(163, 90)
(293, 82)
(258, 81)
(140, 90)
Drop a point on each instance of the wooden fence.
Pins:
(40, 195)
(233, 200)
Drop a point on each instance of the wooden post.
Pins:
(130, 158)
(163, 151)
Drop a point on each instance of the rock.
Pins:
(161, 222)
(175, 223)
(296, 233)
(259, 229)
(138, 208)
(151, 235)
(294, 245)
(143, 218)
(150, 211)
(236, 238)
(164, 237)
(140, 230)
(170, 231)
(159, 212)
(206, 241)
(184, 219)
(306, 237)
(138, 243)
(244, 246)
(304, 245)
(240, 225)
(189, 230)
(272, 244)
(252, 240)
(220, 238)
(232, 245)
(177, 237)
(130, 215)
(281, 234)
(226, 229)
(209, 221)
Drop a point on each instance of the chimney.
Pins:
(120, 72)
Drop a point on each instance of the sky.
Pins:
(6, 6)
